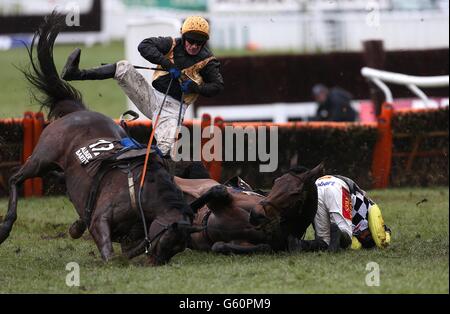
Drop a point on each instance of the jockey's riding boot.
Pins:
(71, 71)
(77, 229)
(335, 236)
(338, 239)
(307, 245)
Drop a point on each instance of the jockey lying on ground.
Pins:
(345, 217)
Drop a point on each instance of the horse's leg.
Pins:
(33, 167)
(216, 197)
(133, 244)
(101, 232)
(77, 229)
(242, 248)
(201, 201)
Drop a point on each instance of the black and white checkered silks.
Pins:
(360, 211)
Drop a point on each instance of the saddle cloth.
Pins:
(94, 152)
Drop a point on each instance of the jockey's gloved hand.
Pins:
(189, 86)
(175, 73)
(170, 67)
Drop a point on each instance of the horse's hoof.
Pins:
(219, 190)
(77, 229)
(153, 261)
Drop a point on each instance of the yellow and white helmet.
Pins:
(197, 27)
(379, 232)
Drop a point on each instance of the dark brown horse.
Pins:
(236, 221)
(292, 202)
(224, 213)
(114, 218)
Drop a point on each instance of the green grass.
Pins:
(105, 96)
(33, 259)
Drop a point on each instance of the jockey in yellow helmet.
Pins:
(185, 60)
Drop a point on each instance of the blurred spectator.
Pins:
(334, 104)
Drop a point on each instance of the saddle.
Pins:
(127, 159)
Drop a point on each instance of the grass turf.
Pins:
(34, 258)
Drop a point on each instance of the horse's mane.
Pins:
(56, 95)
(309, 209)
(310, 204)
(298, 169)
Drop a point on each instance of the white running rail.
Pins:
(380, 78)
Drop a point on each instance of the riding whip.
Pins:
(139, 67)
(178, 124)
(153, 133)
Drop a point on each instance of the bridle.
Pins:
(265, 202)
(166, 227)
(281, 217)
(205, 227)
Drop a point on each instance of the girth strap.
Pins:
(105, 167)
(131, 189)
(92, 198)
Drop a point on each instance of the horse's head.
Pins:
(290, 191)
(170, 230)
(291, 205)
(169, 239)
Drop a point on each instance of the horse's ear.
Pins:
(316, 172)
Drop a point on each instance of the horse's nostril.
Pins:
(155, 261)
(151, 261)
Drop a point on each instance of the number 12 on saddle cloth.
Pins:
(94, 152)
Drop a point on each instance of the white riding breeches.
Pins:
(334, 206)
(148, 101)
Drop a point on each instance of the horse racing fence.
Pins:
(403, 148)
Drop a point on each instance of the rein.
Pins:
(205, 227)
(147, 154)
(265, 203)
(144, 170)
(160, 233)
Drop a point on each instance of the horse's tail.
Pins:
(59, 97)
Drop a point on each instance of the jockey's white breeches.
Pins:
(334, 206)
(148, 101)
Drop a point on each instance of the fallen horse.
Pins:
(241, 221)
(72, 142)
